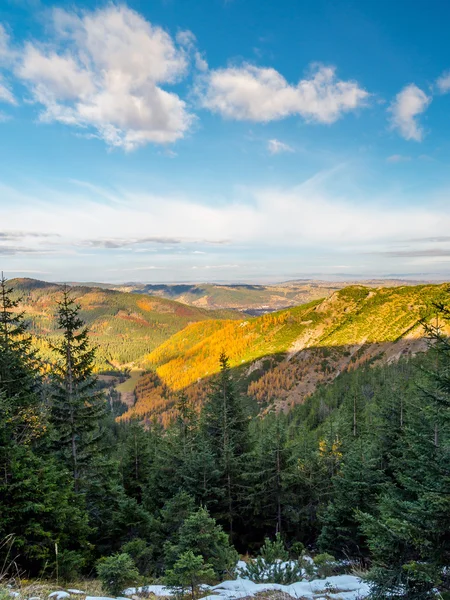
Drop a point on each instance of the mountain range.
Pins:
(250, 298)
(278, 359)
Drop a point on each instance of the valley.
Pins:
(125, 327)
(280, 447)
(279, 359)
(149, 348)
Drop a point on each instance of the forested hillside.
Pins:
(280, 358)
(355, 478)
(124, 326)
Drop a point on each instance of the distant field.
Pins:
(129, 384)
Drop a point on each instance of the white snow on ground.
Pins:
(337, 587)
(352, 589)
(104, 598)
(158, 590)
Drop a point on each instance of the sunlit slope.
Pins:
(354, 316)
(124, 326)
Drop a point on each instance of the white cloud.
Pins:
(309, 215)
(5, 93)
(200, 62)
(6, 56)
(443, 83)
(317, 227)
(6, 52)
(263, 94)
(55, 78)
(407, 105)
(105, 72)
(276, 147)
(186, 38)
(206, 267)
(397, 158)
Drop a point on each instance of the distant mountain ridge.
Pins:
(254, 299)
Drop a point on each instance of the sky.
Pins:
(224, 140)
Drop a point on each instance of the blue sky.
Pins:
(224, 140)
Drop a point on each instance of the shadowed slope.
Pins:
(280, 358)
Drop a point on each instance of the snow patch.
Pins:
(352, 588)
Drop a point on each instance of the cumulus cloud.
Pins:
(105, 71)
(263, 94)
(443, 83)
(276, 147)
(200, 61)
(405, 108)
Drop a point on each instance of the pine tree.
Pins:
(201, 534)
(77, 405)
(19, 367)
(226, 428)
(135, 459)
(37, 504)
(194, 462)
(189, 572)
(356, 486)
(186, 424)
(201, 474)
(409, 534)
(265, 474)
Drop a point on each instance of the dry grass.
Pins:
(37, 588)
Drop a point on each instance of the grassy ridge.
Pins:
(350, 316)
(281, 357)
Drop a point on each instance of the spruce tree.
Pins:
(409, 534)
(356, 486)
(135, 459)
(200, 533)
(19, 367)
(77, 405)
(195, 465)
(226, 428)
(264, 475)
(37, 504)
